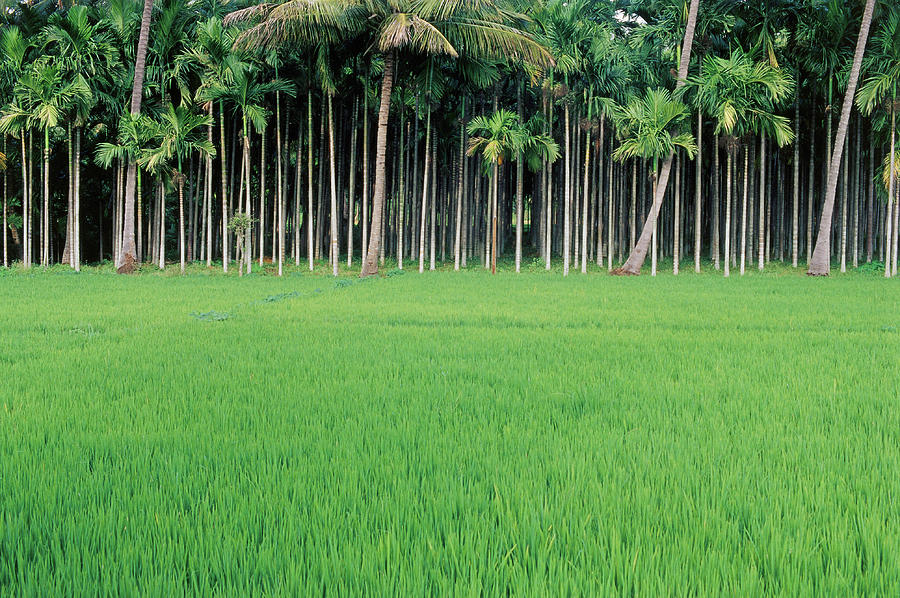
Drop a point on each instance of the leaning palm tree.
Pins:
(181, 134)
(820, 263)
(632, 265)
(880, 89)
(431, 27)
(650, 128)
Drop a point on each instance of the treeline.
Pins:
(430, 132)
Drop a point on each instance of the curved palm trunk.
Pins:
(128, 253)
(820, 264)
(370, 266)
(632, 265)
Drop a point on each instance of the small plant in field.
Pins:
(240, 225)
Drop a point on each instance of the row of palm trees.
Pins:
(214, 130)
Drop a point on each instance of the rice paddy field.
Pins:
(449, 434)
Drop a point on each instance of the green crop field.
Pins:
(449, 434)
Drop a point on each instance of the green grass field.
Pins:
(449, 435)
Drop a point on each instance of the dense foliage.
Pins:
(271, 112)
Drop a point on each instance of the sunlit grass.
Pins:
(449, 434)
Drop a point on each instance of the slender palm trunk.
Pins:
(494, 178)
(425, 189)
(520, 183)
(262, 197)
(352, 182)
(333, 181)
(744, 208)
(892, 175)
(820, 264)
(5, 219)
(761, 225)
(795, 207)
(585, 197)
(634, 262)
(844, 207)
(698, 199)
(209, 187)
(676, 217)
(128, 254)
(728, 168)
(180, 178)
(457, 248)
(309, 182)
(225, 215)
(567, 198)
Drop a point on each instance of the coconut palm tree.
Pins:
(649, 127)
(820, 263)
(880, 89)
(430, 27)
(632, 265)
(128, 253)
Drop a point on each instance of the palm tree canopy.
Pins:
(742, 95)
(650, 126)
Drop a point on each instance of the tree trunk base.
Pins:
(128, 265)
(622, 271)
(816, 273)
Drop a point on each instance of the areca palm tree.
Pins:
(86, 54)
(650, 128)
(181, 134)
(430, 27)
(42, 97)
(13, 50)
(211, 56)
(242, 88)
(742, 96)
(880, 89)
(501, 137)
